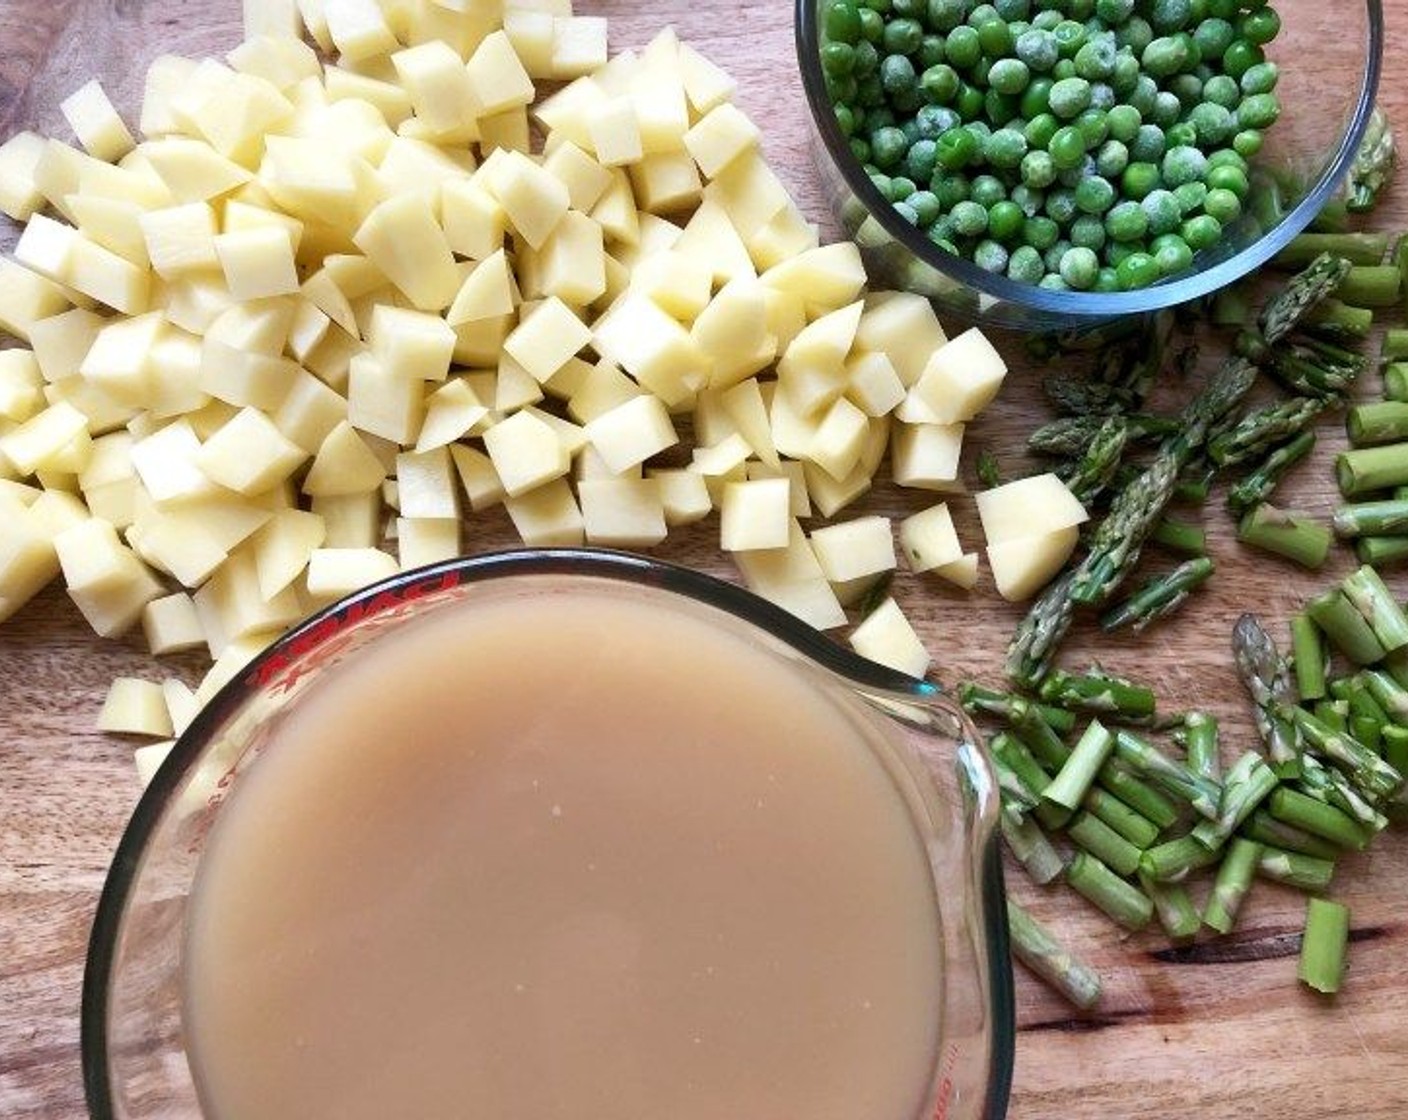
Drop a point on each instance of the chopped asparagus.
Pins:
(1122, 901)
(1234, 880)
(1296, 536)
(1263, 429)
(1304, 872)
(1159, 597)
(1261, 483)
(1035, 947)
(1323, 944)
(1099, 693)
(1308, 657)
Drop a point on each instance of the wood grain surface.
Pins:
(1219, 1031)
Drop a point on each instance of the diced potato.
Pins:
(26, 297)
(526, 453)
(680, 284)
(578, 46)
(166, 463)
(273, 52)
(382, 402)
(28, 562)
(497, 76)
(427, 540)
(732, 332)
(547, 517)
(44, 436)
(705, 84)
(813, 601)
(856, 548)
(615, 132)
(820, 348)
(335, 572)
(873, 384)
(96, 123)
(755, 515)
(653, 348)
(602, 389)
(283, 547)
(344, 464)
(665, 182)
(171, 625)
(684, 495)
(1022, 566)
(1032, 506)
(795, 474)
(586, 179)
(135, 707)
(712, 422)
(785, 235)
(826, 278)
(194, 171)
(533, 200)
(928, 539)
(474, 220)
(60, 343)
(514, 387)
(352, 521)
(47, 247)
(106, 580)
(488, 291)
(886, 636)
(434, 77)
(21, 385)
(478, 477)
(794, 562)
(194, 538)
(403, 239)
(904, 328)
(622, 512)
(20, 197)
(720, 136)
(572, 263)
(249, 454)
(839, 439)
(358, 28)
(962, 572)
(750, 194)
(546, 338)
(412, 344)
(530, 33)
(926, 456)
(181, 705)
(452, 411)
(615, 211)
(426, 483)
(961, 377)
(148, 760)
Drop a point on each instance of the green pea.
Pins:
(841, 89)
(897, 73)
(1095, 60)
(1260, 110)
(944, 244)
(1162, 209)
(990, 256)
(1040, 232)
(907, 212)
(1165, 57)
(860, 149)
(1114, 12)
(1088, 231)
(1112, 159)
(909, 9)
(921, 160)
(981, 14)
(1148, 144)
(1061, 206)
(969, 102)
(1124, 122)
(1169, 16)
(872, 26)
(1143, 96)
(1259, 26)
(903, 36)
(841, 22)
(1009, 75)
(1038, 170)
(1224, 9)
(1167, 109)
(870, 94)
(838, 59)
(1094, 127)
(1066, 68)
(1247, 142)
(1138, 180)
(1106, 280)
(996, 38)
(1079, 267)
(951, 189)
(1052, 256)
(1000, 108)
(940, 83)
(1223, 205)
(876, 119)
(1040, 130)
(1095, 195)
(1188, 88)
(1052, 282)
(987, 191)
(926, 207)
(908, 99)
(1029, 200)
(1067, 147)
(1102, 97)
(1070, 37)
(1126, 222)
(1240, 57)
(1184, 165)
(1138, 270)
(1202, 231)
(1005, 148)
(931, 51)
(1025, 265)
(1117, 251)
(1222, 91)
(901, 187)
(1136, 34)
(1070, 97)
(1261, 78)
(1035, 98)
(934, 120)
(1038, 49)
(1172, 254)
(867, 59)
(1197, 11)
(1227, 157)
(1005, 221)
(1182, 135)
(956, 149)
(1190, 197)
(945, 15)
(1213, 37)
(887, 147)
(845, 119)
(981, 130)
(1012, 10)
(1125, 75)
(963, 47)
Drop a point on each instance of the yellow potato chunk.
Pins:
(358, 28)
(435, 79)
(497, 76)
(755, 515)
(171, 625)
(135, 707)
(411, 344)
(257, 263)
(852, 549)
(653, 348)
(928, 539)
(578, 46)
(1032, 506)
(546, 338)
(622, 512)
(283, 546)
(20, 196)
(249, 454)
(344, 464)
(960, 378)
(721, 136)
(381, 402)
(96, 123)
(335, 572)
(886, 636)
(925, 456)
(488, 291)
(547, 517)
(478, 478)
(1023, 566)
(525, 452)
(533, 200)
(614, 130)
(426, 484)
(402, 238)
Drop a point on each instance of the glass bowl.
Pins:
(1330, 56)
(135, 1062)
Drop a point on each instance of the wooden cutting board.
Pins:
(1220, 1031)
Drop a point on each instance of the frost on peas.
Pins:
(1167, 109)
(1038, 49)
(1169, 16)
(1222, 90)
(1070, 97)
(1114, 12)
(1190, 197)
(1212, 37)
(1112, 159)
(1162, 209)
(1027, 200)
(1126, 222)
(1041, 233)
(969, 219)
(1088, 231)
(1095, 61)
(990, 256)
(1079, 267)
(1184, 165)
(1136, 34)
(1025, 265)
(1038, 172)
(1148, 145)
(1261, 78)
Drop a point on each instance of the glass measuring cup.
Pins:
(134, 1056)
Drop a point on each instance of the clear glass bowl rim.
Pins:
(593, 562)
(1090, 306)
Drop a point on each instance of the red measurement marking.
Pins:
(945, 1101)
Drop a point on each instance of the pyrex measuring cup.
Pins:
(135, 1060)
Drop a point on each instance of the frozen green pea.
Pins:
(987, 190)
(1165, 56)
(963, 48)
(1067, 147)
(1260, 25)
(1124, 122)
(969, 219)
(887, 147)
(1102, 97)
(990, 256)
(1012, 10)
(1028, 200)
(897, 73)
(841, 21)
(1112, 159)
(1143, 96)
(1053, 255)
(951, 188)
(1072, 177)
(838, 59)
(1138, 270)
(1212, 122)
(1125, 75)
(1095, 60)
(1070, 97)
(1114, 12)
(1167, 109)
(980, 130)
(840, 88)
(1035, 98)
(1126, 222)
(1061, 206)
(1222, 90)
(1038, 171)
(1079, 267)
(1135, 33)
(903, 37)
(1106, 280)
(1213, 36)
(945, 15)
(1182, 135)
(845, 119)
(921, 160)
(1188, 88)
(1040, 232)
(860, 149)
(870, 94)
(1094, 195)
(931, 52)
(1261, 78)
(1005, 148)
(1148, 145)
(907, 212)
(1240, 57)
(1094, 127)
(1088, 231)
(1229, 178)
(1038, 49)
(1139, 179)
(901, 187)
(934, 120)
(1183, 165)
(1070, 37)
(926, 206)
(1247, 142)
(1259, 110)
(1005, 221)
(1064, 69)
(1040, 129)
(1025, 265)
(940, 83)
(1172, 254)
(1052, 282)
(969, 102)
(995, 37)
(1201, 232)
(956, 148)
(1009, 75)
(872, 26)
(1163, 212)
(1222, 205)
(981, 14)
(1168, 16)
(1190, 197)
(1224, 9)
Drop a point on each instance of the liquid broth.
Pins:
(570, 856)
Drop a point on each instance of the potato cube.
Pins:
(839, 439)
(926, 455)
(148, 759)
(887, 637)
(615, 211)
(1022, 566)
(180, 239)
(795, 474)
(680, 284)
(426, 540)
(514, 387)
(93, 560)
(426, 484)
(586, 180)
(358, 28)
(478, 477)
(96, 123)
(749, 193)
(961, 377)
(26, 297)
(192, 169)
(546, 338)
(47, 247)
(653, 348)
(166, 463)
(684, 495)
(904, 328)
(344, 464)
(1032, 506)
(102, 275)
(792, 432)
(622, 512)
(309, 412)
(732, 332)
(928, 539)
(614, 128)
(248, 454)
(743, 404)
(171, 625)
(135, 707)
(530, 34)
(20, 196)
(526, 453)
(572, 263)
(578, 46)
(27, 558)
(402, 238)
(720, 136)
(412, 344)
(827, 278)
(452, 411)
(257, 262)
(283, 546)
(474, 220)
(813, 601)
(44, 436)
(705, 84)
(547, 517)
(336, 572)
(666, 182)
(21, 385)
(434, 77)
(794, 562)
(630, 433)
(873, 384)
(755, 515)
(497, 76)
(488, 291)
(181, 704)
(533, 200)
(855, 548)
(962, 572)
(275, 52)
(382, 402)
(352, 521)
(709, 238)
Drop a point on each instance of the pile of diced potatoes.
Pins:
(277, 348)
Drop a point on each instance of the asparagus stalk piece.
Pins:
(1098, 692)
(1159, 597)
(1376, 422)
(1395, 343)
(1174, 860)
(1261, 483)
(1201, 746)
(1041, 631)
(1093, 472)
(1263, 429)
(1283, 312)
(1362, 470)
(1180, 536)
(1324, 783)
(1355, 692)
(1367, 731)
(1134, 827)
(1310, 365)
(1306, 813)
(1070, 785)
(1308, 657)
(975, 698)
(1168, 774)
(1391, 696)
(1370, 774)
(1122, 901)
(1173, 907)
(1267, 679)
(1030, 726)
(1234, 880)
(1304, 872)
(1093, 835)
(1249, 782)
(1014, 792)
(1340, 320)
(1071, 435)
(1083, 396)
(1323, 945)
(1357, 248)
(1381, 550)
(1372, 285)
(1296, 536)
(1384, 518)
(1148, 802)
(989, 473)
(1262, 827)
(1345, 627)
(1334, 714)
(1373, 165)
(1366, 592)
(1049, 960)
(1396, 381)
(1031, 848)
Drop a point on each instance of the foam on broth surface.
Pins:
(575, 855)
